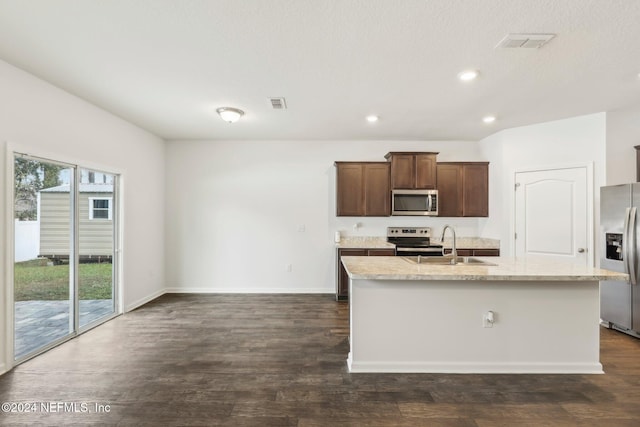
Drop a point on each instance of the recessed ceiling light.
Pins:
(372, 118)
(489, 119)
(468, 75)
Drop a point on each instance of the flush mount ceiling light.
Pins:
(229, 114)
(468, 75)
(489, 119)
(372, 118)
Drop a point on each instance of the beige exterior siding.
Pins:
(95, 235)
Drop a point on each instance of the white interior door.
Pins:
(552, 214)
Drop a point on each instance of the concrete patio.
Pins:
(38, 323)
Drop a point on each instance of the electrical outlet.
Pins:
(301, 228)
(288, 268)
(487, 319)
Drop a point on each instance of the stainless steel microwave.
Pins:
(414, 202)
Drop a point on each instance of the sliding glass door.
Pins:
(43, 304)
(96, 239)
(65, 223)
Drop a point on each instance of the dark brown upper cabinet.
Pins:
(363, 189)
(412, 170)
(463, 189)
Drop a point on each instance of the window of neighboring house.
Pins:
(99, 208)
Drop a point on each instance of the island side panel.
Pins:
(436, 326)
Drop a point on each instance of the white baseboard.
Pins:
(3, 368)
(143, 301)
(473, 368)
(194, 290)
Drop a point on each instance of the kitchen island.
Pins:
(411, 317)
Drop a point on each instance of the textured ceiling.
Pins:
(166, 65)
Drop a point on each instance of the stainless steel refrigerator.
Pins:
(619, 231)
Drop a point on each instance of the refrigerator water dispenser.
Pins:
(614, 246)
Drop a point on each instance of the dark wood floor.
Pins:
(261, 360)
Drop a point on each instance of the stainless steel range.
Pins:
(412, 241)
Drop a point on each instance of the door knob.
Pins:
(581, 250)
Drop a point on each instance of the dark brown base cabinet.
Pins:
(342, 285)
(362, 189)
(474, 252)
(463, 189)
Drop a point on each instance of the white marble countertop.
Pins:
(364, 242)
(506, 268)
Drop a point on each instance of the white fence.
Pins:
(27, 240)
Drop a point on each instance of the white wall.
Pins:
(577, 140)
(623, 133)
(40, 119)
(234, 209)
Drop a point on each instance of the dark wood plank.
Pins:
(279, 360)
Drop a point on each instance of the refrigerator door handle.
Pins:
(625, 242)
(632, 247)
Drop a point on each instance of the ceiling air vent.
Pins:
(278, 103)
(524, 41)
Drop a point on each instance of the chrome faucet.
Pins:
(454, 253)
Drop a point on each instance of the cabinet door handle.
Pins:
(581, 250)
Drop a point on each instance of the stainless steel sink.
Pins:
(446, 260)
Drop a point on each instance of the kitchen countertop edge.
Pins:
(506, 269)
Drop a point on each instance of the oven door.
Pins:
(423, 251)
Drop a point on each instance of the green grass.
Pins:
(35, 280)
